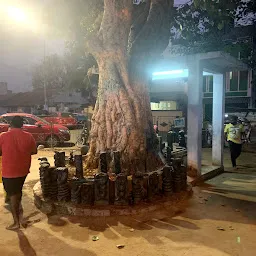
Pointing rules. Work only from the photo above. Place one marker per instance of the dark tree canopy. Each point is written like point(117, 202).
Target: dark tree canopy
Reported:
point(199, 20)
point(50, 71)
point(208, 20)
point(206, 25)
point(81, 21)
point(66, 72)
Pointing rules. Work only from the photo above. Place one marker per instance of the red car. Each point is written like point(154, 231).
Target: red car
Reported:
point(42, 131)
point(65, 119)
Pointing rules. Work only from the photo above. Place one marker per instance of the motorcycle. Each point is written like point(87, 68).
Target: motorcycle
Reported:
point(83, 137)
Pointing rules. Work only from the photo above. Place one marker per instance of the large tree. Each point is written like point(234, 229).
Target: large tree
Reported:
point(125, 39)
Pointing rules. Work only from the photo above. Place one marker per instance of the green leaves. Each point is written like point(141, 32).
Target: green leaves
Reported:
point(202, 19)
point(221, 25)
point(64, 72)
point(51, 71)
point(73, 19)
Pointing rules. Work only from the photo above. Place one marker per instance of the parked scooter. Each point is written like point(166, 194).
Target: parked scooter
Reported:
point(83, 137)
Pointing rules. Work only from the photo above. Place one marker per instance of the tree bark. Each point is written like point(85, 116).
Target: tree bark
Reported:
point(122, 119)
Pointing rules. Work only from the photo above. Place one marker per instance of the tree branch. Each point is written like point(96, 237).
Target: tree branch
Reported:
point(140, 14)
point(94, 45)
point(154, 33)
point(115, 24)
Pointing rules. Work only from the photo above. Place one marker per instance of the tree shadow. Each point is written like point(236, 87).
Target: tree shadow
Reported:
point(25, 245)
point(114, 227)
point(53, 245)
point(180, 223)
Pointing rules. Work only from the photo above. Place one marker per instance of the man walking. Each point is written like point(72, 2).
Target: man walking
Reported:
point(16, 148)
point(234, 132)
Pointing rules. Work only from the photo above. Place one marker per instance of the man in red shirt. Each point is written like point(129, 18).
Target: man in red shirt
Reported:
point(16, 148)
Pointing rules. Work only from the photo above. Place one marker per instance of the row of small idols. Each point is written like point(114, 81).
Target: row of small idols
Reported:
point(111, 189)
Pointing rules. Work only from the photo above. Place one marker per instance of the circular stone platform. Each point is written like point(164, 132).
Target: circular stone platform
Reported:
point(173, 203)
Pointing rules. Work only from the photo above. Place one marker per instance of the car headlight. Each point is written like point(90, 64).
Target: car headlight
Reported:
point(64, 131)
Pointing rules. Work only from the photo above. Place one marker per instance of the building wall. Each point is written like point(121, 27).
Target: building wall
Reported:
point(3, 88)
point(164, 105)
point(69, 97)
point(238, 84)
point(3, 110)
point(165, 118)
point(239, 92)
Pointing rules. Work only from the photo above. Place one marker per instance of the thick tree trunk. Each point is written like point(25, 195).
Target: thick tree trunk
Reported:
point(122, 120)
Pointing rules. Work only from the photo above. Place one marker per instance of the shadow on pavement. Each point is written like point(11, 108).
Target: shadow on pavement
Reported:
point(25, 245)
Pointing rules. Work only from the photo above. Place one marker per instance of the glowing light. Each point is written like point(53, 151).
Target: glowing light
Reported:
point(179, 73)
point(170, 74)
point(21, 18)
point(16, 14)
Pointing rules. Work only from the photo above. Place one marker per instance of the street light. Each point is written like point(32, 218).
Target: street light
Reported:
point(44, 77)
point(16, 14)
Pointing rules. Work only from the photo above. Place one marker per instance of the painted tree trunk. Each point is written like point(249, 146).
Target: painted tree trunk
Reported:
point(122, 119)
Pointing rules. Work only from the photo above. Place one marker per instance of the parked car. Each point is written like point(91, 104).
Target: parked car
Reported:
point(80, 118)
point(65, 119)
point(42, 131)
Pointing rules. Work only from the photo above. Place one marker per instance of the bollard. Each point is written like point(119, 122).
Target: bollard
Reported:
point(171, 138)
point(87, 193)
point(103, 162)
point(79, 166)
point(59, 159)
point(75, 191)
point(117, 161)
point(63, 187)
point(167, 181)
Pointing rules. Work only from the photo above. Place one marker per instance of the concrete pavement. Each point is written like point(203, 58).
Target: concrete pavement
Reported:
point(219, 220)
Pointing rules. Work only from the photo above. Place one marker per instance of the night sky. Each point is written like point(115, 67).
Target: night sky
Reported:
point(21, 48)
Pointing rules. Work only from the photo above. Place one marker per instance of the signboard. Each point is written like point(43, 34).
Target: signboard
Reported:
point(137, 1)
point(179, 122)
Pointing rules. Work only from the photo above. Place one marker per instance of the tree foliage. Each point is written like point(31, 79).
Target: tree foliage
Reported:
point(213, 25)
point(65, 72)
point(198, 25)
point(75, 20)
point(81, 21)
point(196, 21)
point(51, 72)
point(208, 20)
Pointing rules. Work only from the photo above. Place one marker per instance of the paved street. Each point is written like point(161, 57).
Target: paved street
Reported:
point(218, 220)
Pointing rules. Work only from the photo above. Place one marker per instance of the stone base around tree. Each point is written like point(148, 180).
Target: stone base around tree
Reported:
point(49, 207)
